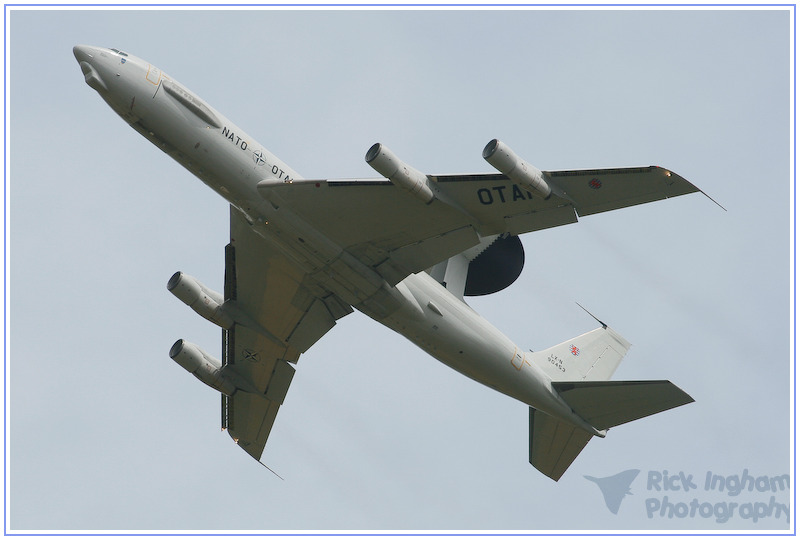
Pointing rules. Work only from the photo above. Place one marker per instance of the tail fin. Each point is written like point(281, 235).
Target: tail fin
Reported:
point(594, 356)
point(554, 444)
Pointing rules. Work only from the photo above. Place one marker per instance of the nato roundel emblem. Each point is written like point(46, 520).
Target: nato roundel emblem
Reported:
point(594, 183)
point(258, 157)
point(250, 356)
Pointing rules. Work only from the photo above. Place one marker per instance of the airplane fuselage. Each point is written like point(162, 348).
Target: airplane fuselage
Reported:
point(233, 164)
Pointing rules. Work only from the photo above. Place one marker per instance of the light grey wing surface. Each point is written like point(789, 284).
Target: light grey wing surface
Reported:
point(379, 224)
point(249, 419)
point(277, 320)
point(601, 190)
point(491, 197)
point(397, 234)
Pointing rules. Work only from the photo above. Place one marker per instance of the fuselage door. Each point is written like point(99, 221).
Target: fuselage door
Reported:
point(153, 74)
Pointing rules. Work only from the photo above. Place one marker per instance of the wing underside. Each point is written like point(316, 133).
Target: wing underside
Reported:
point(396, 234)
point(277, 319)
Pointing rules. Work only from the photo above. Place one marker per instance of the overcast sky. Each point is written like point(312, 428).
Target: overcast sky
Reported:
point(105, 432)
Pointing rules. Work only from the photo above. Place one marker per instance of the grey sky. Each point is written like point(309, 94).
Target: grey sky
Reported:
point(106, 432)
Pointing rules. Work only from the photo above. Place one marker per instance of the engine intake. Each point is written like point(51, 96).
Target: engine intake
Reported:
point(202, 365)
point(389, 166)
point(204, 301)
point(502, 158)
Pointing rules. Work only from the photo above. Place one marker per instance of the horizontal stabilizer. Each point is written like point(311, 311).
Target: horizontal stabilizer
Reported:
point(554, 444)
point(605, 404)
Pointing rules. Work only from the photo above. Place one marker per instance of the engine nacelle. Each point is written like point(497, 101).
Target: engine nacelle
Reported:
point(502, 158)
point(203, 366)
point(205, 302)
point(389, 166)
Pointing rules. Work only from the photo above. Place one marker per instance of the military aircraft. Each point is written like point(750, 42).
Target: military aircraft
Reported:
point(404, 249)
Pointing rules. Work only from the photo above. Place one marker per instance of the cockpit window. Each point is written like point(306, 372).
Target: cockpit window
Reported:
point(120, 52)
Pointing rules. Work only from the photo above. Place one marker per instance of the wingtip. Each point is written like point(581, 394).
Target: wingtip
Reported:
point(670, 173)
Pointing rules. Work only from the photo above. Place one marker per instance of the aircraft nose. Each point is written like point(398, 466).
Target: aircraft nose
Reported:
point(85, 57)
point(83, 53)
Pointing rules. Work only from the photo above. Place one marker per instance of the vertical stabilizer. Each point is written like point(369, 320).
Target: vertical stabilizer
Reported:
point(594, 356)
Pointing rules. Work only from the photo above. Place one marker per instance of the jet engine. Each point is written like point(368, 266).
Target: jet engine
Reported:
point(206, 302)
point(389, 166)
point(502, 158)
point(203, 366)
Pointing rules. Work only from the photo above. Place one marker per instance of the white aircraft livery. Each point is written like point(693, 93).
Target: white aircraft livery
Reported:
point(404, 249)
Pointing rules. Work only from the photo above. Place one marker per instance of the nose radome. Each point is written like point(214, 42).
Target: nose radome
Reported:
point(85, 57)
point(83, 53)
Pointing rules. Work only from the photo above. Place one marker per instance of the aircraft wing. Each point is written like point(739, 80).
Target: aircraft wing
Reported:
point(279, 319)
point(601, 190)
point(397, 234)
